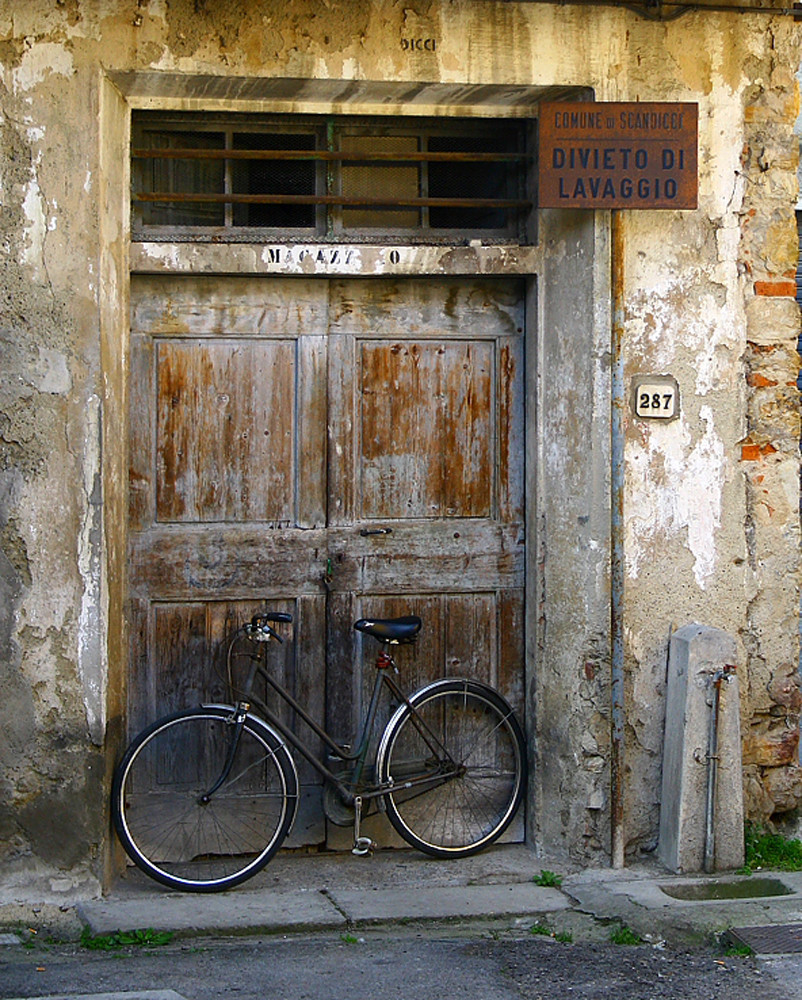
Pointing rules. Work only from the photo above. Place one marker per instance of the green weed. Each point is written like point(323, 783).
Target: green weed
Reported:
point(547, 878)
point(540, 929)
point(624, 935)
point(565, 937)
point(738, 951)
point(147, 938)
point(763, 849)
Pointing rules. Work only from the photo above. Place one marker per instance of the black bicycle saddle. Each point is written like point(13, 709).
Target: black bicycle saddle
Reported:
point(390, 629)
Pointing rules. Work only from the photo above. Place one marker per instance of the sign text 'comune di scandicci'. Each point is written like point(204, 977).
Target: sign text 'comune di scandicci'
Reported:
point(618, 155)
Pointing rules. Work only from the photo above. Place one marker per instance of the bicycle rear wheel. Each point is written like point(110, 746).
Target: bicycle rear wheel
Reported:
point(201, 804)
point(457, 759)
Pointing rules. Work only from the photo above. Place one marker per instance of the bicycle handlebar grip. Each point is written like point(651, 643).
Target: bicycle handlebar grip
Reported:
point(271, 616)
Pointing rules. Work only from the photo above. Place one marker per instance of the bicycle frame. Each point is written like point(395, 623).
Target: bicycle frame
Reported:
point(384, 662)
point(225, 811)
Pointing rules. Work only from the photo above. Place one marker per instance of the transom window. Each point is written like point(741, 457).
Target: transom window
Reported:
point(251, 178)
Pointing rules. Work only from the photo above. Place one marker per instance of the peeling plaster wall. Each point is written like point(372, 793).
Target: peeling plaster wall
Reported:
point(711, 504)
point(52, 688)
point(712, 499)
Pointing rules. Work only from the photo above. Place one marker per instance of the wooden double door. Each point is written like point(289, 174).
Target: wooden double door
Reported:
point(335, 448)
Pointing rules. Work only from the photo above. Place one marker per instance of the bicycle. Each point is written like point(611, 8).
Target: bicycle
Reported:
point(203, 798)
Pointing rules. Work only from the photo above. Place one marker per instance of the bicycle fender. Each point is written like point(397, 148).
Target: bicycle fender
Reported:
point(470, 683)
point(259, 723)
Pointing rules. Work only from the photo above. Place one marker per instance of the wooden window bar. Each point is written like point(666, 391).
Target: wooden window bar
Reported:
point(311, 154)
point(327, 155)
point(332, 199)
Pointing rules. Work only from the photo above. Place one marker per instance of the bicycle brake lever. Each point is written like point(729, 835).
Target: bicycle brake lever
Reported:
point(262, 633)
point(268, 633)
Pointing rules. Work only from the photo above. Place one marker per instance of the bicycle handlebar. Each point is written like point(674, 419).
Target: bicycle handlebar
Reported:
point(259, 624)
point(272, 616)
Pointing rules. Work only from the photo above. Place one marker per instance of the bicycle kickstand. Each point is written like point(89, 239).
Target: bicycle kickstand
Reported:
point(362, 845)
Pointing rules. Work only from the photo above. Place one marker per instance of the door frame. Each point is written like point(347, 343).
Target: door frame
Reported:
point(567, 302)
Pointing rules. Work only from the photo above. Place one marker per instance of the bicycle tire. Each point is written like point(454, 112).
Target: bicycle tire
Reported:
point(159, 788)
point(457, 758)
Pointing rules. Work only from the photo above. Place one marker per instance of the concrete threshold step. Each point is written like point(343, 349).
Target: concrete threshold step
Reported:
point(268, 911)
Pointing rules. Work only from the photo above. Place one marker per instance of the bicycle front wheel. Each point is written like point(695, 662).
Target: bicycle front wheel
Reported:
point(457, 761)
point(201, 803)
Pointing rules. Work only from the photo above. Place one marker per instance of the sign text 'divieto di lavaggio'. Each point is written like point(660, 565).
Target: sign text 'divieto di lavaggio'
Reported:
point(610, 155)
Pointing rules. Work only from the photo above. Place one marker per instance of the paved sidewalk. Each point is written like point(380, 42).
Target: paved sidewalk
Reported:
point(339, 892)
point(397, 893)
point(301, 893)
point(319, 892)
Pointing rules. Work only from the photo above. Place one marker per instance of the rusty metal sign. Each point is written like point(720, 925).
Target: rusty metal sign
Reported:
point(618, 155)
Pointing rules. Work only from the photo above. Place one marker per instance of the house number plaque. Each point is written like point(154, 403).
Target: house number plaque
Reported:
point(656, 397)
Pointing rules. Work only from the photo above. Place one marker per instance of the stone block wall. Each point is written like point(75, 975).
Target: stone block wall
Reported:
point(770, 447)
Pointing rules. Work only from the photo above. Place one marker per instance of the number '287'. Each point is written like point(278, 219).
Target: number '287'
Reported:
point(655, 401)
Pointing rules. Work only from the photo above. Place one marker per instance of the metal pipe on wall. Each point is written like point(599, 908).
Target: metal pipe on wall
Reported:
point(716, 681)
point(618, 840)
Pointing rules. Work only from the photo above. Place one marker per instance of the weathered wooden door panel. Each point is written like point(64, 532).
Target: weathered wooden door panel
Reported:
point(228, 410)
point(478, 635)
point(251, 561)
point(426, 462)
point(181, 646)
point(425, 425)
point(425, 486)
point(228, 490)
point(335, 449)
point(225, 442)
point(426, 405)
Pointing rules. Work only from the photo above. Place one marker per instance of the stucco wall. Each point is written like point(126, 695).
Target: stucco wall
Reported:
point(711, 503)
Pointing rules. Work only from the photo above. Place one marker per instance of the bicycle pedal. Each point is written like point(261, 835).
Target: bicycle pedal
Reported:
point(363, 846)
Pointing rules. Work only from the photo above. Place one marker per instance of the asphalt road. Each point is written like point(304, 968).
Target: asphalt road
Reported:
point(391, 965)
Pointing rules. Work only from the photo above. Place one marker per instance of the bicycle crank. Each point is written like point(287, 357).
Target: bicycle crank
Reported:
point(336, 809)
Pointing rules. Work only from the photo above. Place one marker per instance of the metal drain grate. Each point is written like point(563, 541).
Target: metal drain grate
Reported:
point(772, 939)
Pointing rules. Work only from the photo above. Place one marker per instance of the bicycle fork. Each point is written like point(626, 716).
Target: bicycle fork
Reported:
point(238, 720)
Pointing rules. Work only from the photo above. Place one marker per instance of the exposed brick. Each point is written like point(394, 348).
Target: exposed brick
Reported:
point(760, 381)
point(775, 288)
point(752, 452)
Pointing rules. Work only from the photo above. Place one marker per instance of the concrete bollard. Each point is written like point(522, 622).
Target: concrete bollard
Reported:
point(700, 659)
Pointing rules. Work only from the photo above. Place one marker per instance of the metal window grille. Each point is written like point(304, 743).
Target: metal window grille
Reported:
point(249, 178)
